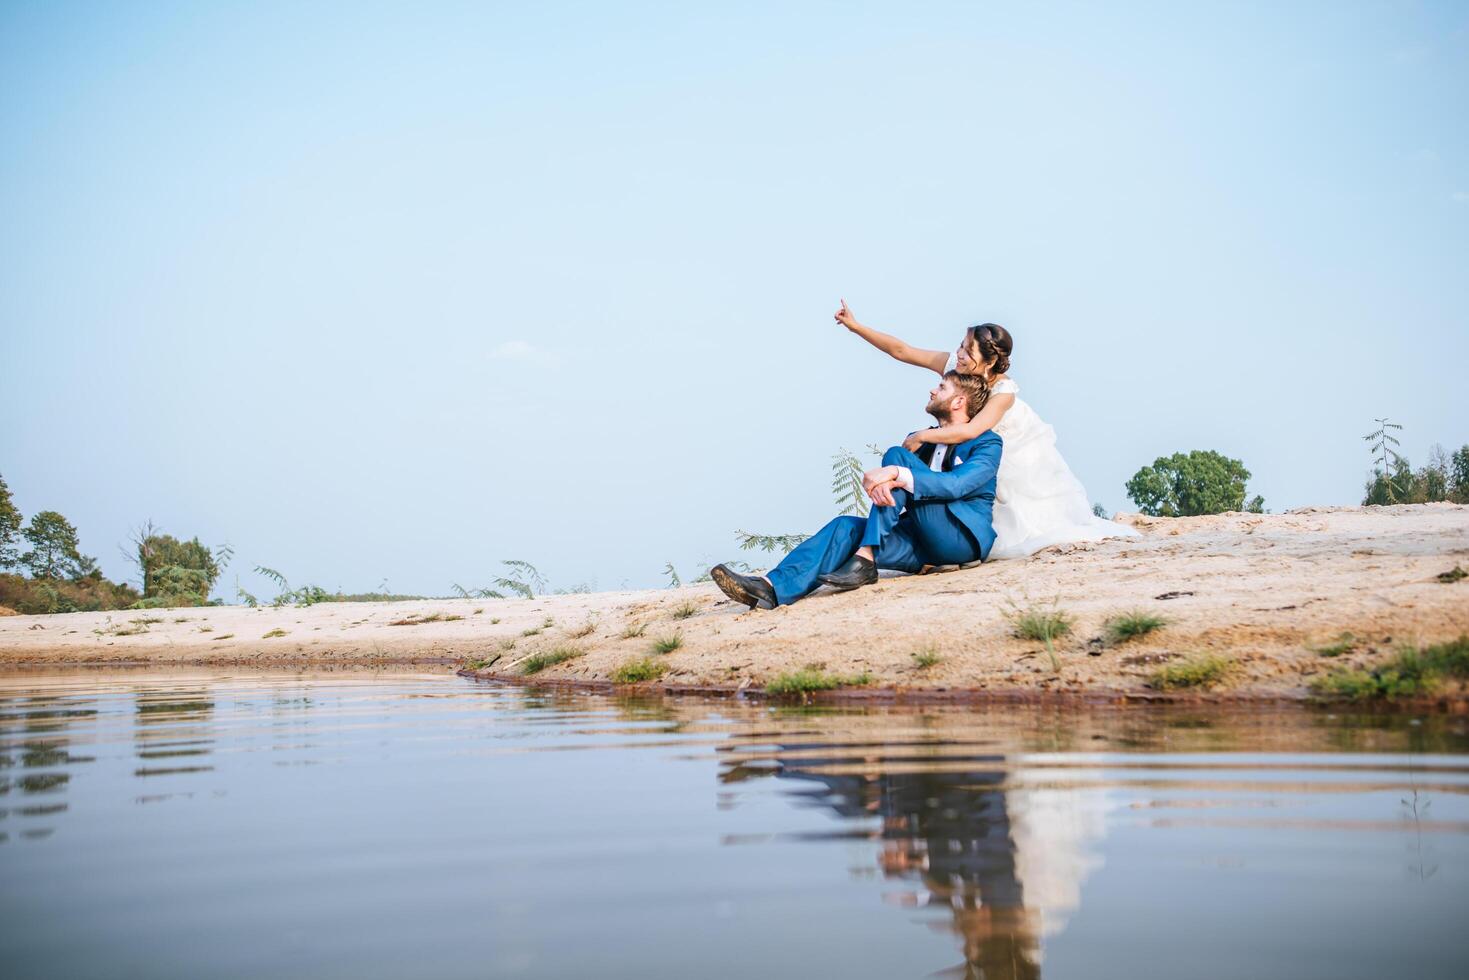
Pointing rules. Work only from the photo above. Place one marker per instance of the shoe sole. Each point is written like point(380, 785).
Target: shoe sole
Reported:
point(731, 587)
point(843, 587)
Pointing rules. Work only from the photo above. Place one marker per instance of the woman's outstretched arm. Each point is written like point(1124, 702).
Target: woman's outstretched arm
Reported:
point(934, 360)
point(952, 435)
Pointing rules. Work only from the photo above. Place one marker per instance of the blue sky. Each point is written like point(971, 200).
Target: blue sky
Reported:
point(395, 291)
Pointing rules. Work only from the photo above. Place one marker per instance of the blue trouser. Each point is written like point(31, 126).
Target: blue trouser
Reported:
point(905, 538)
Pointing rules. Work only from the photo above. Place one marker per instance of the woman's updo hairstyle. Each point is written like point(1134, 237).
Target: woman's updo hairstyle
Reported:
point(994, 345)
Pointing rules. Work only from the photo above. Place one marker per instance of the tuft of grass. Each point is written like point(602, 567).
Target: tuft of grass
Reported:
point(801, 682)
point(147, 620)
point(1205, 670)
point(1410, 671)
point(1045, 625)
point(548, 622)
point(538, 662)
point(273, 633)
point(494, 620)
point(585, 629)
point(668, 644)
point(182, 619)
point(632, 630)
point(419, 620)
point(926, 658)
point(1130, 625)
point(223, 636)
point(480, 663)
point(1040, 623)
point(1345, 643)
point(478, 611)
point(638, 671)
point(686, 610)
point(206, 629)
point(1452, 575)
point(533, 631)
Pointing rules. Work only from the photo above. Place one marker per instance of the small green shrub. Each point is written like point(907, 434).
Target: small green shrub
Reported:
point(807, 680)
point(925, 658)
point(1409, 672)
point(1201, 671)
point(538, 662)
point(633, 630)
point(638, 671)
point(1343, 644)
point(1130, 625)
point(273, 633)
point(533, 631)
point(1040, 623)
point(685, 611)
point(668, 644)
point(480, 663)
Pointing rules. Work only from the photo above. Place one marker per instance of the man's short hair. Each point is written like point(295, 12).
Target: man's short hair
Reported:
point(976, 390)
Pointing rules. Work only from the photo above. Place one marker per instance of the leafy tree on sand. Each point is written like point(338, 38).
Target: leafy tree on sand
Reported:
point(62, 578)
point(54, 550)
point(176, 573)
point(10, 521)
point(1189, 484)
point(1443, 477)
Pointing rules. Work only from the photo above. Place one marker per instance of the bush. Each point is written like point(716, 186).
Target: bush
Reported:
point(1443, 477)
point(90, 593)
point(1203, 671)
point(1190, 484)
point(638, 671)
point(807, 680)
point(538, 662)
point(175, 573)
point(1130, 625)
point(1407, 673)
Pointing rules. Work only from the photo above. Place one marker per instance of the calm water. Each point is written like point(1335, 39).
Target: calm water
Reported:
point(392, 826)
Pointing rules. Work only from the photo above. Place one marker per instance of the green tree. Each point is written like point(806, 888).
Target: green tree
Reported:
point(1459, 476)
point(1189, 484)
point(10, 521)
point(54, 553)
point(175, 573)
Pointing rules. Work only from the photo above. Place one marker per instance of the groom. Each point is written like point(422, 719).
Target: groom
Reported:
point(930, 508)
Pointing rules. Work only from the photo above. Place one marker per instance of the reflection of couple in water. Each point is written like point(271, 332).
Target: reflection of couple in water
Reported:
point(1005, 868)
point(986, 481)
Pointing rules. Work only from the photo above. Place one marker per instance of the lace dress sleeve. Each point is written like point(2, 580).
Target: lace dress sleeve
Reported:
point(1005, 387)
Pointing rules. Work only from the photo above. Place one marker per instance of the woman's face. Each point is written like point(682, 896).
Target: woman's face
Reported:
point(968, 354)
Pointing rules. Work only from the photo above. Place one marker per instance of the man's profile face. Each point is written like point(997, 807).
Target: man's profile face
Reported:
point(941, 398)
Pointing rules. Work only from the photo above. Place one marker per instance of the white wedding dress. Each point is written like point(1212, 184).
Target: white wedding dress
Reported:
point(1038, 500)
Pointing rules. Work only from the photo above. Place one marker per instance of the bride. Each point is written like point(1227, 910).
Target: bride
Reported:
point(1038, 501)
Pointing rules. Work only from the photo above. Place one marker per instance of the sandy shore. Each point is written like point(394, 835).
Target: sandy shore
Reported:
point(1262, 590)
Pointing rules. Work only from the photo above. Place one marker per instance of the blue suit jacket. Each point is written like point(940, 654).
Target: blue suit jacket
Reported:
point(968, 490)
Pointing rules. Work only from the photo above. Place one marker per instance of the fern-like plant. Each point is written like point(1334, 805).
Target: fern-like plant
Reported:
point(846, 483)
point(523, 579)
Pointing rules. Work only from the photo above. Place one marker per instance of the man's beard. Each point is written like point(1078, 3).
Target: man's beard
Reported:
point(938, 411)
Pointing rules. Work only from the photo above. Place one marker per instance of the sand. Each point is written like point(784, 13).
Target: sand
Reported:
point(1264, 591)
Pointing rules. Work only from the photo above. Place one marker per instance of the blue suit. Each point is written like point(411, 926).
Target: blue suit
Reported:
point(947, 520)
